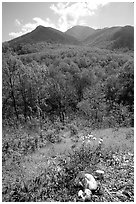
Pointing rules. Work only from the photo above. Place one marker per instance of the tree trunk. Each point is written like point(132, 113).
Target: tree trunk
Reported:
point(13, 98)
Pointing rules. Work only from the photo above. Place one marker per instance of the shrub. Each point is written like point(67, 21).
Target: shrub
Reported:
point(73, 130)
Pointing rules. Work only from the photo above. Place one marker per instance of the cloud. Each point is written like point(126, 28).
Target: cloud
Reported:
point(28, 27)
point(15, 34)
point(71, 14)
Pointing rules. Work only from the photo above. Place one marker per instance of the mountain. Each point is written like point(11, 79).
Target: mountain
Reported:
point(108, 38)
point(45, 34)
point(80, 32)
point(112, 38)
point(124, 38)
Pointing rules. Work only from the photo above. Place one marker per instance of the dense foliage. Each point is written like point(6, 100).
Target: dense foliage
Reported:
point(97, 83)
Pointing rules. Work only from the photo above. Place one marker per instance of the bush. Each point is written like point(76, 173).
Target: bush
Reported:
point(73, 130)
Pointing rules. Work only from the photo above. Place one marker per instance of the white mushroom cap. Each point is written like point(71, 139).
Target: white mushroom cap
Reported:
point(81, 194)
point(88, 193)
point(85, 195)
point(91, 183)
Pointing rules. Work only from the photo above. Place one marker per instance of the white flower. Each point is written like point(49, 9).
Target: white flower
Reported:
point(90, 136)
point(130, 154)
point(100, 141)
point(94, 138)
point(58, 168)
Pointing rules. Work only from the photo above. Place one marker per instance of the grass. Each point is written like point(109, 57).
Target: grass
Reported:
point(47, 172)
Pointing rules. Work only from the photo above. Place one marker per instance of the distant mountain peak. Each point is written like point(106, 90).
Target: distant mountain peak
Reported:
point(40, 26)
point(45, 34)
point(112, 38)
point(80, 32)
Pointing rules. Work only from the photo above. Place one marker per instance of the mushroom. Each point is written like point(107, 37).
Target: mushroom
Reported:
point(86, 195)
point(87, 181)
point(81, 194)
point(91, 183)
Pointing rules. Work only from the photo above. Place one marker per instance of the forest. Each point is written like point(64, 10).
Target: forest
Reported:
point(49, 89)
point(96, 83)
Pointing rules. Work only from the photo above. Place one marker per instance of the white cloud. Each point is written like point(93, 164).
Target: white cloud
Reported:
point(28, 27)
point(71, 14)
point(15, 34)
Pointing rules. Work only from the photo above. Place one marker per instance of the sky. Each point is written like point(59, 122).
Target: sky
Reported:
point(19, 18)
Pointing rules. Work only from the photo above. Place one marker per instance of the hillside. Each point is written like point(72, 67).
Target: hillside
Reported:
point(107, 38)
point(124, 38)
point(80, 32)
point(114, 37)
point(45, 34)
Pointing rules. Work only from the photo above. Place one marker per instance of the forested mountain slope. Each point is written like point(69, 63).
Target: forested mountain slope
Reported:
point(44, 37)
point(80, 32)
point(45, 34)
point(114, 37)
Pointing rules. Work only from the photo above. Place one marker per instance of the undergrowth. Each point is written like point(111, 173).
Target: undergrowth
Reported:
point(58, 181)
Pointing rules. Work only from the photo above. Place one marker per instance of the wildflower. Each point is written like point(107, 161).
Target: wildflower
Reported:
point(100, 141)
point(88, 141)
point(58, 168)
point(130, 154)
point(90, 136)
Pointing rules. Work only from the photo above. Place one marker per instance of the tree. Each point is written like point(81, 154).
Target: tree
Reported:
point(81, 81)
point(10, 68)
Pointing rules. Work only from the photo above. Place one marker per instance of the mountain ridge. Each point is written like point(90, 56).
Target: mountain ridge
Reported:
point(80, 32)
point(47, 34)
point(109, 38)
